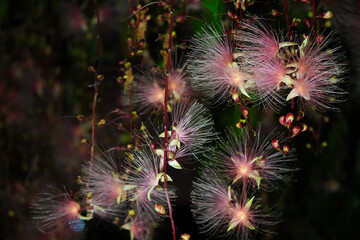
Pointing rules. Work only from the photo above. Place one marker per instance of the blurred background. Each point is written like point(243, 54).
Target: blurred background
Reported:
point(46, 48)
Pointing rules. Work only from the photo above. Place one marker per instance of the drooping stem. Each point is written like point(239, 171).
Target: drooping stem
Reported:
point(314, 12)
point(96, 90)
point(168, 65)
point(287, 19)
point(288, 35)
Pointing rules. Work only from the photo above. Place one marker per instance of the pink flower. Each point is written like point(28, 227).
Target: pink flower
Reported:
point(319, 71)
point(220, 210)
point(252, 162)
point(104, 187)
point(145, 167)
point(178, 86)
point(139, 227)
point(271, 79)
point(149, 93)
point(56, 212)
point(210, 203)
point(191, 126)
point(213, 68)
point(257, 42)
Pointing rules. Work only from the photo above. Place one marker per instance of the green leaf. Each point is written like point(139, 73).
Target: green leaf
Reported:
point(174, 164)
point(159, 152)
point(249, 225)
point(249, 203)
point(126, 226)
point(159, 176)
point(168, 178)
point(84, 218)
point(99, 208)
point(149, 193)
point(255, 175)
point(215, 7)
point(175, 141)
point(233, 223)
point(255, 159)
point(129, 187)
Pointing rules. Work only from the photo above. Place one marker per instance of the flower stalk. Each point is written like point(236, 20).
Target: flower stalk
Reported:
point(168, 67)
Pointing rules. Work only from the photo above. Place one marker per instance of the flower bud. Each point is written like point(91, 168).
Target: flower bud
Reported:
point(299, 115)
point(289, 119)
point(286, 149)
point(295, 131)
point(276, 144)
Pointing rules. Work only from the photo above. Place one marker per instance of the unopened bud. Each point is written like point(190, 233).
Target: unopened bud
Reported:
point(295, 131)
point(275, 12)
point(286, 149)
point(100, 77)
point(245, 113)
point(239, 125)
point(236, 97)
point(282, 120)
point(276, 144)
point(289, 119)
point(304, 127)
point(299, 115)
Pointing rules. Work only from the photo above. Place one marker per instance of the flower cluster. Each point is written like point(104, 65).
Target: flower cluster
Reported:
point(250, 63)
point(262, 65)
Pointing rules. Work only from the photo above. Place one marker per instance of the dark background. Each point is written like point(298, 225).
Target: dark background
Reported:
point(45, 50)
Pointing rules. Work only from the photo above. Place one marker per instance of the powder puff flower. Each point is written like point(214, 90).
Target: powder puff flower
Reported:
point(251, 161)
point(317, 76)
point(105, 188)
point(56, 212)
point(178, 86)
point(219, 210)
point(191, 126)
point(149, 93)
point(139, 227)
point(191, 129)
point(258, 43)
point(272, 80)
point(210, 203)
point(145, 174)
point(213, 69)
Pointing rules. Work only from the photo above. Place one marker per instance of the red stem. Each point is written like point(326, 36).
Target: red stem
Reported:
point(130, 114)
point(168, 65)
point(96, 91)
point(314, 12)
point(287, 18)
point(288, 34)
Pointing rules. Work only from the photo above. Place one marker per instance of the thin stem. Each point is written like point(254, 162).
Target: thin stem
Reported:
point(168, 65)
point(96, 91)
point(288, 34)
point(287, 18)
point(314, 12)
point(130, 114)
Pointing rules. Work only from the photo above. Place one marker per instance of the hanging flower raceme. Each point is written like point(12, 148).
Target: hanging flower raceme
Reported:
point(219, 209)
point(105, 188)
point(56, 211)
point(251, 160)
point(215, 71)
